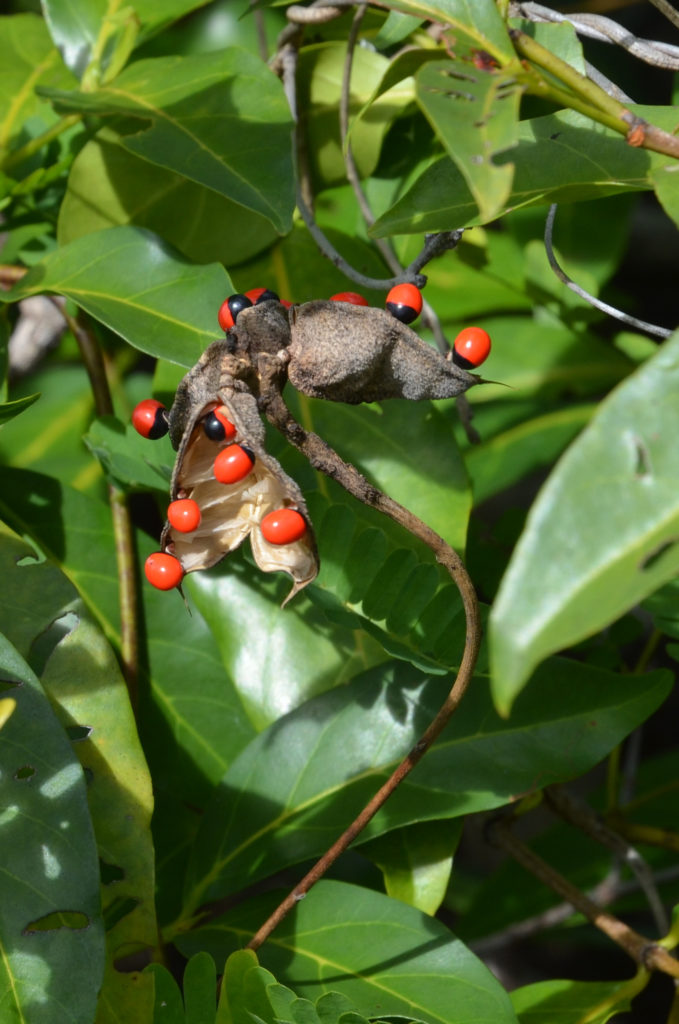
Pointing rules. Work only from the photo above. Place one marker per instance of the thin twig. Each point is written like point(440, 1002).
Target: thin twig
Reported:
point(605, 30)
point(578, 813)
point(643, 951)
point(324, 458)
point(668, 10)
point(120, 513)
point(650, 835)
point(604, 307)
point(607, 891)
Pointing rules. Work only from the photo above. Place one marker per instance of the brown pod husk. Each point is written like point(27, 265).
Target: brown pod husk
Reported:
point(348, 353)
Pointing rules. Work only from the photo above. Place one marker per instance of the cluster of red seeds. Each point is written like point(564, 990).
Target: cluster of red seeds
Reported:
point(234, 463)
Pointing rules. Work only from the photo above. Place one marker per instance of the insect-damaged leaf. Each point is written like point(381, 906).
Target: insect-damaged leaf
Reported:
point(51, 931)
point(603, 532)
point(475, 111)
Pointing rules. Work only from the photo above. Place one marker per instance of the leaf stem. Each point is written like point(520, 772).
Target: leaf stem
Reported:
point(323, 457)
point(120, 513)
point(30, 148)
point(587, 97)
point(643, 951)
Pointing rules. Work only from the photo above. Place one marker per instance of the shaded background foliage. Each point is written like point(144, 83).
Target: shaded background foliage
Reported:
point(148, 170)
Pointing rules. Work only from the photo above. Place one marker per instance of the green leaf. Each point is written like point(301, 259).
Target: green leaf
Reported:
point(66, 404)
point(496, 464)
point(131, 281)
point(125, 455)
point(200, 987)
point(475, 22)
point(168, 1007)
point(28, 59)
point(571, 1002)
point(603, 532)
point(559, 158)
point(81, 677)
point(299, 783)
point(475, 113)
point(667, 189)
point(108, 186)
point(218, 119)
point(8, 410)
point(417, 862)
point(190, 734)
point(320, 74)
point(408, 450)
point(384, 956)
point(244, 997)
point(77, 26)
point(86, 688)
point(290, 654)
point(51, 932)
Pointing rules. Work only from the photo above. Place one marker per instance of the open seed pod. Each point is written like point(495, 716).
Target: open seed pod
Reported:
point(234, 482)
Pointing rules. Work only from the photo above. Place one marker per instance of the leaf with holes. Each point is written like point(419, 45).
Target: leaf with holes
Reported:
point(475, 112)
point(83, 681)
point(559, 158)
point(44, 618)
point(603, 533)
point(51, 930)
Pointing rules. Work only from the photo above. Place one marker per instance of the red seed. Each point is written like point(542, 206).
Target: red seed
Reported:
point(149, 420)
point(283, 526)
point(404, 301)
point(471, 347)
point(163, 571)
point(184, 515)
point(353, 297)
point(233, 464)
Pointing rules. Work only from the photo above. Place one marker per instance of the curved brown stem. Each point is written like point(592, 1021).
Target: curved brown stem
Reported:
point(324, 458)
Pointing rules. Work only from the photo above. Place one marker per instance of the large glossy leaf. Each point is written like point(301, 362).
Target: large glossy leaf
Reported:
point(560, 158)
point(475, 114)
point(109, 186)
point(136, 285)
point(602, 534)
point(27, 59)
point(195, 723)
point(300, 783)
point(51, 931)
point(219, 119)
point(277, 657)
point(384, 956)
point(83, 682)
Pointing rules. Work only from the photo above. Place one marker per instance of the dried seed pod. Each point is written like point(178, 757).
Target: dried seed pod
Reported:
point(348, 353)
